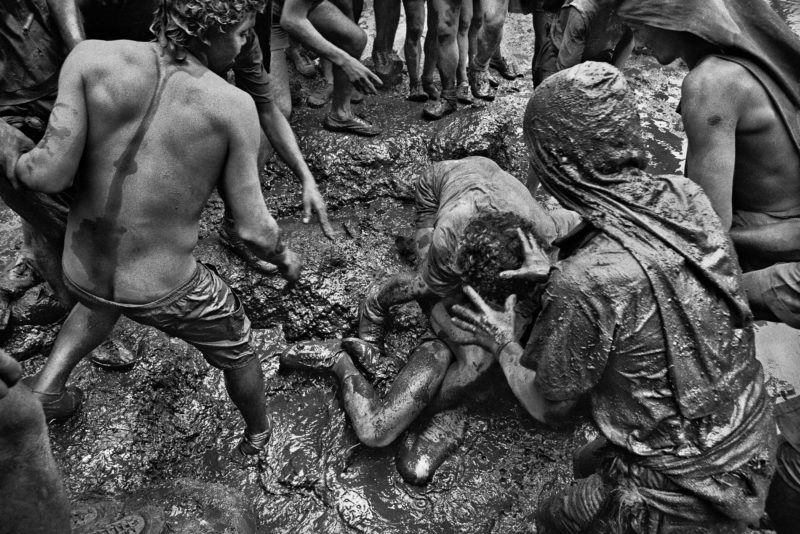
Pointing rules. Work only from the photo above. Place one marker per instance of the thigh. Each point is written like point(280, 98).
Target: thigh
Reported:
point(447, 14)
point(333, 24)
point(415, 14)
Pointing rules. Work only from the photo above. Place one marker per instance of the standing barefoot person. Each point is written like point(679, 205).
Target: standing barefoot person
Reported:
point(155, 131)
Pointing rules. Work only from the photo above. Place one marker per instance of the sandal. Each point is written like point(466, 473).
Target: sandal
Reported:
point(354, 125)
point(320, 96)
point(57, 406)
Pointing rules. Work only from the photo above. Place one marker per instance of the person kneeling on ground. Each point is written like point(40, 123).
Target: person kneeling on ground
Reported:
point(133, 224)
point(469, 214)
point(644, 313)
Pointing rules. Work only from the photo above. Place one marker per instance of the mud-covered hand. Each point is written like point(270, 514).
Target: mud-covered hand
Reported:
point(312, 201)
point(490, 329)
point(360, 76)
point(291, 266)
point(10, 373)
point(13, 144)
point(535, 264)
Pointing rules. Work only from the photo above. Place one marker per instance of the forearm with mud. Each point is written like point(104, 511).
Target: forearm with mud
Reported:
point(399, 289)
point(774, 242)
point(282, 138)
point(301, 29)
point(268, 246)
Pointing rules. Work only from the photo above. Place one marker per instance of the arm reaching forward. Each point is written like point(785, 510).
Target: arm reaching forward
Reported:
point(241, 190)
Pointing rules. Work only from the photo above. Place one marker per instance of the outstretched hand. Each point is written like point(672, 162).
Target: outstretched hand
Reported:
point(361, 77)
point(312, 201)
point(489, 328)
point(535, 264)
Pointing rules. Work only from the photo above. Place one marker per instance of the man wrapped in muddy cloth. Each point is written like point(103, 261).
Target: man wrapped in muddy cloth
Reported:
point(468, 215)
point(644, 315)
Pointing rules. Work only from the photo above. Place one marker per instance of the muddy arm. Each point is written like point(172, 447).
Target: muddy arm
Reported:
point(241, 191)
point(774, 242)
point(710, 119)
point(51, 166)
point(68, 21)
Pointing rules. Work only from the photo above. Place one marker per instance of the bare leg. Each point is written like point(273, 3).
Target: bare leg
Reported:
point(415, 21)
point(387, 17)
point(464, 23)
point(246, 389)
point(469, 367)
point(84, 329)
point(378, 421)
point(447, 14)
point(339, 29)
point(491, 33)
point(431, 53)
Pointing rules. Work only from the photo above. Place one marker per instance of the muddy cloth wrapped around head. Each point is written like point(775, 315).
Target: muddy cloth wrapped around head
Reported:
point(583, 132)
point(746, 28)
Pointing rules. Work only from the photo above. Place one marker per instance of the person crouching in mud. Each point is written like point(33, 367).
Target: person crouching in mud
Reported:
point(155, 131)
point(645, 315)
point(469, 214)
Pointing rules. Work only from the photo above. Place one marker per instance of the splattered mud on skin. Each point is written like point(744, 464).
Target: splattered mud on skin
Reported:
point(170, 416)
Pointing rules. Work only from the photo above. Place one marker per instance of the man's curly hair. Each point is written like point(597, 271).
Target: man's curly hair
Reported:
point(177, 22)
point(490, 245)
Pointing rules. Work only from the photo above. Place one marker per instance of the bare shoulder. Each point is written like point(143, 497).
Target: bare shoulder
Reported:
point(718, 80)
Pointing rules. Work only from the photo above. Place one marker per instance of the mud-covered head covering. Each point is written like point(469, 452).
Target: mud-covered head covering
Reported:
point(746, 28)
point(583, 132)
point(177, 22)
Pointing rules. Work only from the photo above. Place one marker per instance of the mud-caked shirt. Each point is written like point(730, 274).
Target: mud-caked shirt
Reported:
point(585, 30)
point(600, 333)
point(450, 193)
point(31, 52)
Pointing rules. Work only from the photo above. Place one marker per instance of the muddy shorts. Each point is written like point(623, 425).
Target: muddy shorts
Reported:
point(278, 37)
point(204, 312)
point(777, 287)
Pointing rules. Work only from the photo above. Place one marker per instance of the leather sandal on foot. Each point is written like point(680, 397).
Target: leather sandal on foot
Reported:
point(253, 444)
point(315, 356)
point(321, 96)
point(463, 93)
point(354, 125)
point(507, 69)
point(436, 109)
point(430, 89)
point(480, 86)
point(58, 406)
point(113, 355)
point(415, 92)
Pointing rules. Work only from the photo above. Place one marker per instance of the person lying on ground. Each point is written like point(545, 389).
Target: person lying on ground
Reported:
point(131, 19)
point(739, 105)
point(468, 215)
point(35, 37)
point(583, 30)
point(644, 315)
point(321, 26)
point(133, 223)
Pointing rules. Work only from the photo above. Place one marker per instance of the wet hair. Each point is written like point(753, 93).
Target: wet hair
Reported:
point(178, 22)
point(490, 244)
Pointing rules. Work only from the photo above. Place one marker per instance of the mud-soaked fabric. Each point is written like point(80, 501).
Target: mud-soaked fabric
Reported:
point(583, 130)
point(584, 30)
point(625, 496)
point(744, 28)
point(788, 465)
point(450, 193)
point(645, 313)
point(774, 287)
point(203, 311)
point(31, 51)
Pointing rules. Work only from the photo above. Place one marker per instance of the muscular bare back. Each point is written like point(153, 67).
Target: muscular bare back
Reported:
point(159, 135)
point(740, 151)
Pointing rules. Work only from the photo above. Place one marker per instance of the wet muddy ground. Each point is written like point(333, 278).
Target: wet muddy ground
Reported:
point(161, 433)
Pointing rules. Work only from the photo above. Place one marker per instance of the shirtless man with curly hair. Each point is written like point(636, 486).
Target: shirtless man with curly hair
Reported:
point(155, 131)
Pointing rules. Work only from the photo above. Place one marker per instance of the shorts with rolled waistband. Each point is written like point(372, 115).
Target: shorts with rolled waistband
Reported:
point(203, 311)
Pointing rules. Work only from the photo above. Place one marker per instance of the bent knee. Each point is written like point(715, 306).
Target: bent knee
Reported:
point(373, 437)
